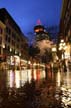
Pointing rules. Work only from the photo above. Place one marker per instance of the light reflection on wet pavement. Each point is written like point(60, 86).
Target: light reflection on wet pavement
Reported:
point(55, 92)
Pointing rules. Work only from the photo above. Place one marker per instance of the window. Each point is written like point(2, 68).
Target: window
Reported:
point(0, 40)
point(17, 46)
point(8, 48)
point(6, 37)
point(9, 39)
point(0, 50)
point(1, 31)
point(68, 5)
point(13, 35)
point(8, 30)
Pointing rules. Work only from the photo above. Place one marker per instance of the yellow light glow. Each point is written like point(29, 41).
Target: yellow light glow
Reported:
point(58, 78)
point(54, 49)
point(17, 79)
point(12, 77)
point(3, 46)
point(62, 40)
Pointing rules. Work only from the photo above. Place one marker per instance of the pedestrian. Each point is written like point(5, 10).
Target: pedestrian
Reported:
point(64, 66)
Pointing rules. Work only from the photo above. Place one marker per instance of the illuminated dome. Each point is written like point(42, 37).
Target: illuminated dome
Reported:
point(41, 33)
point(38, 29)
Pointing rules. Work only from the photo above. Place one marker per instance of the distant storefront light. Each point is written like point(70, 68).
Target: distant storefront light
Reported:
point(3, 46)
point(54, 49)
point(10, 49)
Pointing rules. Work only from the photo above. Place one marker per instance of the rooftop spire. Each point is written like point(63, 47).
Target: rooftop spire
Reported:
point(38, 22)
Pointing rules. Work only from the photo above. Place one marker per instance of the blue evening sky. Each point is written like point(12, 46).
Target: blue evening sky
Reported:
point(26, 13)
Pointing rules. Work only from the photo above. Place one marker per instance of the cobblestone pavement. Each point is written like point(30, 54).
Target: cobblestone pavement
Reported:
point(50, 93)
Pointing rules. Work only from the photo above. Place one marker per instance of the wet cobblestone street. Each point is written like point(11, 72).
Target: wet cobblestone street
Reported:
point(54, 92)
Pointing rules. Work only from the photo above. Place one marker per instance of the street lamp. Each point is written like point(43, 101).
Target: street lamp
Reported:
point(62, 48)
point(54, 53)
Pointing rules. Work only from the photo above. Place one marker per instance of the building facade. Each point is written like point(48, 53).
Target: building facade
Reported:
point(12, 40)
point(65, 27)
point(13, 43)
point(2, 34)
point(65, 22)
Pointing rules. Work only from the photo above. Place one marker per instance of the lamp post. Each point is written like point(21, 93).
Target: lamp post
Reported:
point(54, 50)
point(55, 59)
point(62, 48)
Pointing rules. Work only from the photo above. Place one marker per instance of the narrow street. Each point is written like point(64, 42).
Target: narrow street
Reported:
point(35, 53)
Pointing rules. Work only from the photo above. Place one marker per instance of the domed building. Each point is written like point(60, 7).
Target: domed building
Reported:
point(40, 33)
point(42, 38)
